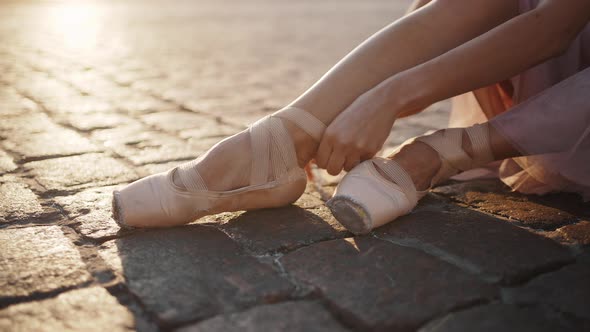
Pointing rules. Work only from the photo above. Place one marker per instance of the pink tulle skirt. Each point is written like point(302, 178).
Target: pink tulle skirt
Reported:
point(545, 113)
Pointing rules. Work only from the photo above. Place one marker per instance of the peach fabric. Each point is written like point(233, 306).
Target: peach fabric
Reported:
point(545, 113)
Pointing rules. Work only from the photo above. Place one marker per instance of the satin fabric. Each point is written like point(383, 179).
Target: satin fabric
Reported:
point(545, 113)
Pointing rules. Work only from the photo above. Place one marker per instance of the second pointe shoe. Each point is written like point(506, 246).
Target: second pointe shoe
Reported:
point(275, 180)
point(365, 199)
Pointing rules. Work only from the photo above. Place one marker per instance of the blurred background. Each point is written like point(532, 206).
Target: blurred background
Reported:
point(157, 82)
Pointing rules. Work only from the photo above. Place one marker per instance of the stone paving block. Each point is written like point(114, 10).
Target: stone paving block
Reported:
point(78, 104)
point(493, 197)
point(39, 86)
point(481, 244)
point(193, 272)
point(301, 316)
point(283, 229)
point(6, 163)
point(150, 169)
point(217, 130)
point(26, 124)
point(17, 202)
point(55, 143)
point(502, 317)
point(37, 260)
point(377, 285)
point(566, 290)
point(92, 210)
point(584, 256)
point(310, 199)
point(78, 172)
point(137, 103)
point(127, 134)
point(568, 202)
point(150, 151)
point(143, 146)
point(177, 121)
point(578, 233)
point(93, 121)
point(88, 309)
point(91, 82)
point(12, 103)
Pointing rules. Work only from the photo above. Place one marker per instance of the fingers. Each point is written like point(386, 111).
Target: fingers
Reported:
point(351, 163)
point(335, 163)
point(323, 154)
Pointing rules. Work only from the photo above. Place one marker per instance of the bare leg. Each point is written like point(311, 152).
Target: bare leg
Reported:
point(399, 46)
point(422, 162)
point(551, 122)
point(417, 4)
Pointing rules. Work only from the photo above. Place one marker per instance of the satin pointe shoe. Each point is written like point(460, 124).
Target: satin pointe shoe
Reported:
point(365, 199)
point(275, 180)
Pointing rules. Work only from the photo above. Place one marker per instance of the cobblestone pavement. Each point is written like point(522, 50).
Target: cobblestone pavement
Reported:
point(93, 96)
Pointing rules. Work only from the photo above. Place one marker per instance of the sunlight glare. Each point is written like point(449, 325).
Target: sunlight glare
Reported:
point(353, 243)
point(77, 24)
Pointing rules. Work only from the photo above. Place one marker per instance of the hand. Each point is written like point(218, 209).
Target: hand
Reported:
point(357, 133)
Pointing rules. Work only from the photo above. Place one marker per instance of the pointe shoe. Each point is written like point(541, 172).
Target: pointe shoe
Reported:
point(275, 180)
point(365, 200)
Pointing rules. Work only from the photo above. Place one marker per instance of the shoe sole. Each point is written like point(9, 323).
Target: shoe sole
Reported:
point(350, 214)
point(116, 211)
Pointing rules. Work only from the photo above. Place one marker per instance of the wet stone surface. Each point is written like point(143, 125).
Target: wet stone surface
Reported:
point(38, 260)
point(192, 272)
point(382, 286)
point(289, 316)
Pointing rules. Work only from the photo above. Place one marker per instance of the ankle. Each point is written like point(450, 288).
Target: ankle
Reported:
point(421, 161)
point(305, 146)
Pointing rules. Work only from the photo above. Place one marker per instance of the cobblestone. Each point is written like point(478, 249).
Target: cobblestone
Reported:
point(578, 233)
point(566, 290)
point(289, 316)
point(189, 273)
point(292, 227)
point(94, 95)
point(78, 172)
point(17, 202)
point(378, 285)
point(493, 197)
point(177, 121)
point(93, 121)
point(476, 242)
point(501, 317)
point(12, 103)
point(89, 309)
point(6, 163)
point(31, 123)
point(38, 260)
point(92, 210)
point(56, 143)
